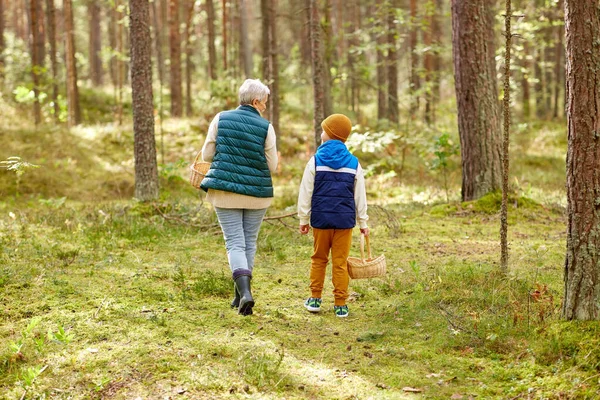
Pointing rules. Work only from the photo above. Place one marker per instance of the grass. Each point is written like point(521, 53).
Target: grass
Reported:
point(104, 297)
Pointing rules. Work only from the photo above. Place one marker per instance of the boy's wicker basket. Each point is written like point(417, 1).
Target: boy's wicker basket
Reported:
point(198, 171)
point(361, 268)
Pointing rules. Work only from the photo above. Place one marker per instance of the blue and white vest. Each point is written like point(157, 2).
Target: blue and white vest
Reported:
point(333, 204)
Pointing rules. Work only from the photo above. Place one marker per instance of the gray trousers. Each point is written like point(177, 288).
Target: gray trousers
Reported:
point(240, 229)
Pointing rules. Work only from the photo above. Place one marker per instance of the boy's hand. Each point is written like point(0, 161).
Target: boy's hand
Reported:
point(304, 229)
point(364, 231)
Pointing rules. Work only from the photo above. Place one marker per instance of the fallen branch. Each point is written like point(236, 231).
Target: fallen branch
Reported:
point(292, 214)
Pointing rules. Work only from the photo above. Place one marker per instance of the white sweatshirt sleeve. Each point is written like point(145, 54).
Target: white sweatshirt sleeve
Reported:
point(306, 190)
point(360, 198)
point(271, 149)
point(210, 144)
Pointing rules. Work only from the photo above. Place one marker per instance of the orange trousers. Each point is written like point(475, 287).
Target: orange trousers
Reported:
point(336, 241)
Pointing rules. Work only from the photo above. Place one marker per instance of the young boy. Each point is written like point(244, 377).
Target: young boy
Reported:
point(332, 198)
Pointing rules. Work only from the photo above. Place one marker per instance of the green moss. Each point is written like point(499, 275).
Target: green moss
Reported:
point(491, 203)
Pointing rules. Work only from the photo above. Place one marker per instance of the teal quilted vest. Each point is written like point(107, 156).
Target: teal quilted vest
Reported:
point(239, 164)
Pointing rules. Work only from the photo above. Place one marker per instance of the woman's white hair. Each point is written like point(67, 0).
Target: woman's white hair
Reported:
point(252, 89)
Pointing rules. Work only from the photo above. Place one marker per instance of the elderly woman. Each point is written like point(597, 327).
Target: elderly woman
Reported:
point(241, 146)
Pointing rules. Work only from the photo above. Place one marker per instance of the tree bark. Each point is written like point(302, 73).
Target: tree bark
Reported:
point(415, 84)
point(51, 15)
point(428, 60)
point(246, 45)
point(525, 87)
point(317, 68)
point(392, 61)
point(160, 59)
point(95, 45)
point(72, 88)
point(146, 171)
point(2, 44)
point(37, 51)
point(112, 41)
point(505, 141)
point(224, 6)
point(175, 46)
point(477, 98)
point(381, 62)
point(189, 65)
point(559, 49)
point(120, 64)
point(582, 263)
point(328, 57)
point(212, 52)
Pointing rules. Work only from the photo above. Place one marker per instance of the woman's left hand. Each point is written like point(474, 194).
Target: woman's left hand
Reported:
point(304, 229)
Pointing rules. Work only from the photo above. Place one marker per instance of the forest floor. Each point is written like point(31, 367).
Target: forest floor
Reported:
point(104, 297)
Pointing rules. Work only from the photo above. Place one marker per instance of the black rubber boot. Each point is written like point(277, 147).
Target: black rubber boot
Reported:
point(242, 284)
point(235, 303)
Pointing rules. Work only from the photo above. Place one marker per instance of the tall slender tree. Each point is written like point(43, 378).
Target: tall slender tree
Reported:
point(72, 88)
point(175, 46)
point(505, 139)
point(245, 45)
point(392, 61)
point(189, 65)
point(212, 52)
point(582, 263)
point(51, 16)
point(477, 97)
point(95, 43)
point(415, 84)
point(37, 62)
point(2, 45)
point(317, 68)
point(381, 70)
point(224, 30)
point(146, 171)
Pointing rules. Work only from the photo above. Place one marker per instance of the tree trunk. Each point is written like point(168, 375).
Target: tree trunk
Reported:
point(212, 52)
point(437, 31)
point(146, 171)
point(37, 62)
point(175, 46)
point(505, 141)
point(2, 45)
point(381, 63)
point(328, 57)
point(246, 45)
point(525, 87)
point(538, 87)
point(477, 98)
point(120, 62)
point(415, 84)
point(274, 61)
point(392, 61)
point(112, 41)
point(72, 88)
point(428, 60)
point(224, 6)
point(51, 16)
point(189, 66)
point(559, 49)
point(270, 62)
point(95, 43)
point(160, 59)
point(317, 68)
point(582, 268)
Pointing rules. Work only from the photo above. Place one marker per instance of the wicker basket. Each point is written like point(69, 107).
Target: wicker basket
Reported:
point(361, 268)
point(198, 171)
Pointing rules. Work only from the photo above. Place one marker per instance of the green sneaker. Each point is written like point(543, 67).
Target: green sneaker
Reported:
point(313, 304)
point(341, 311)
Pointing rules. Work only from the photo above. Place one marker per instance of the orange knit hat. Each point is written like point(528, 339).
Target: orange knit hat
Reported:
point(337, 126)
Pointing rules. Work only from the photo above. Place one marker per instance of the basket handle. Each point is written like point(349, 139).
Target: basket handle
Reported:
point(364, 238)
point(197, 157)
